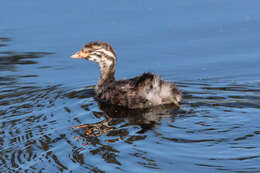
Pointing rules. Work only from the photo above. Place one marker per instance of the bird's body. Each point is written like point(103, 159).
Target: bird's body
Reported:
point(136, 93)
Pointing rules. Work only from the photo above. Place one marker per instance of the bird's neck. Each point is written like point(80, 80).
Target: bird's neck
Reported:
point(107, 75)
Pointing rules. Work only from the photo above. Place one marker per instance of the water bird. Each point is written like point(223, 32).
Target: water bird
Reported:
point(141, 92)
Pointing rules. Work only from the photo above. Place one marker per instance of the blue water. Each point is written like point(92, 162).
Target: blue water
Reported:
point(209, 48)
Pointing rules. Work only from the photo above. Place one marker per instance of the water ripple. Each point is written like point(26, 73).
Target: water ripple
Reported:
point(213, 124)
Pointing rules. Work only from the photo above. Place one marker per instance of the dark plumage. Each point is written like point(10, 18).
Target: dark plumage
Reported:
point(136, 93)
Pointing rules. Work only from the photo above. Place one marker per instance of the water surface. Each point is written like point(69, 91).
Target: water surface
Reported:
point(209, 48)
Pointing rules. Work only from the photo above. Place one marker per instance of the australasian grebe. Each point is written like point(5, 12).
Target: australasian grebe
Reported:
point(140, 92)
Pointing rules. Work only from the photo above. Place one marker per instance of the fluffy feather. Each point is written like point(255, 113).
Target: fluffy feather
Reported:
point(136, 93)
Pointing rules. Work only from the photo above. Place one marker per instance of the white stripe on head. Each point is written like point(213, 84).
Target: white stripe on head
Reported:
point(100, 58)
point(98, 53)
point(108, 53)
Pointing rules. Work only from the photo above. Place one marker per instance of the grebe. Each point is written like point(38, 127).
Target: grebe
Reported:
point(140, 92)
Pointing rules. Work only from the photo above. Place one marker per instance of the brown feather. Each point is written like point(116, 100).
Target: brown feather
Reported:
point(140, 92)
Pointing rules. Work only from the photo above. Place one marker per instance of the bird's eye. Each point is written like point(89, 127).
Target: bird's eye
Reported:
point(86, 50)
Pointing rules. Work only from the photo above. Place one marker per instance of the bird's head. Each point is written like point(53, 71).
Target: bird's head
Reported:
point(100, 52)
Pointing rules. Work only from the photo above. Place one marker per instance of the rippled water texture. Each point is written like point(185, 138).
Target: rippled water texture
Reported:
point(50, 121)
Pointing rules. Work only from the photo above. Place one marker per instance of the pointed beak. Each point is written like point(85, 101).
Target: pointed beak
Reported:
point(79, 54)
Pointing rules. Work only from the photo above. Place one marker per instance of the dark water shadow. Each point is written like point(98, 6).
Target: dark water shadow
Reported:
point(4, 41)
point(37, 123)
point(26, 118)
point(147, 119)
point(9, 60)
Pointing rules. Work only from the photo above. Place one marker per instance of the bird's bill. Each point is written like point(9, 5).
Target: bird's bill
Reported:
point(79, 54)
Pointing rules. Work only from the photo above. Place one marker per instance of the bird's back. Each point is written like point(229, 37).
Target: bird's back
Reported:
point(140, 92)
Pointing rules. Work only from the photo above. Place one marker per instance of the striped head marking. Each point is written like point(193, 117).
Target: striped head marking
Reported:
point(100, 52)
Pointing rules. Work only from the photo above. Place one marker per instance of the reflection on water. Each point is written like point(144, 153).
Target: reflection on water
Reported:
point(3, 41)
point(8, 60)
point(59, 128)
point(54, 128)
point(145, 118)
point(213, 130)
